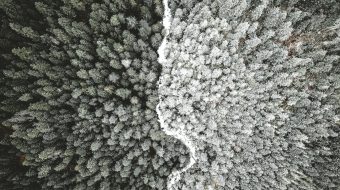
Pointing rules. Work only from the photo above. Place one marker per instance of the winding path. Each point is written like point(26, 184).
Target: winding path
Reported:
point(178, 134)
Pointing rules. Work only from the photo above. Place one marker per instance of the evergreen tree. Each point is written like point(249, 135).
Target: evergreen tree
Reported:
point(78, 96)
point(254, 84)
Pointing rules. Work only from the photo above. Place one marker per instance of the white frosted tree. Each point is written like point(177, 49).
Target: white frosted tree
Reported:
point(255, 85)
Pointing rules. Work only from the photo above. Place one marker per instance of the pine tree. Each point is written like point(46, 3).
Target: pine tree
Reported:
point(254, 85)
point(79, 82)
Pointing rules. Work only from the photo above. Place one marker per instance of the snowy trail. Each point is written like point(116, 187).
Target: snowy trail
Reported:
point(176, 175)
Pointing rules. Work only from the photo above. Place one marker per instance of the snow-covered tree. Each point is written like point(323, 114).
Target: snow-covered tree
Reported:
point(254, 85)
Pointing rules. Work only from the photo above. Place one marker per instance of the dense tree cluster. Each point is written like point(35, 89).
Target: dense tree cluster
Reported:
point(78, 96)
point(255, 85)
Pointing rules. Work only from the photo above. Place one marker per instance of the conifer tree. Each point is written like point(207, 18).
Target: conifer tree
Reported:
point(255, 86)
point(78, 97)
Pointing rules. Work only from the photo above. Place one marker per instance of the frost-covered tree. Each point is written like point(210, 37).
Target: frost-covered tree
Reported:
point(255, 86)
point(78, 96)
